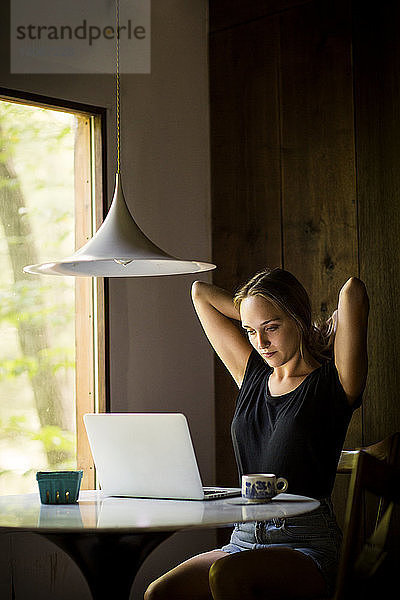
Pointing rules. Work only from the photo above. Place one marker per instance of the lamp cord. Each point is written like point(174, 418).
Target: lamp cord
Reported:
point(117, 86)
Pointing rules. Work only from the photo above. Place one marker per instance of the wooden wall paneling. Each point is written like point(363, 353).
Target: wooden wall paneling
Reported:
point(377, 109)
point(6, 567)
point(318, 183)
point(376, 49)
point(245, 180)
point(41, 571)
point(228, 13)
point(32, 568)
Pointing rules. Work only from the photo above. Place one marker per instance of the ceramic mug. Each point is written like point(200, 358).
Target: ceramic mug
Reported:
point(262, 486)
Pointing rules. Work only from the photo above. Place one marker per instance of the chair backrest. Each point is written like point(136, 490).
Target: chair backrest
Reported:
point(387, 450)
point(381, 476)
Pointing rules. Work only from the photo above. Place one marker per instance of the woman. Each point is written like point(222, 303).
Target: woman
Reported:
point(291, 417)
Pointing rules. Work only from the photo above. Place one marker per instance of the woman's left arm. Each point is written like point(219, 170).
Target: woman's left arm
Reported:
point(350, 345)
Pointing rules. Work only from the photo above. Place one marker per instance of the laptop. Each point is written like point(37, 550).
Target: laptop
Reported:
point(147, 455)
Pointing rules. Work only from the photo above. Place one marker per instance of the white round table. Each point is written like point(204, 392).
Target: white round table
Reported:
point(109, 538)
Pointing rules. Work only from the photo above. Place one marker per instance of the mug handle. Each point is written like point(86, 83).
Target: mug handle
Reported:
point(284, 487)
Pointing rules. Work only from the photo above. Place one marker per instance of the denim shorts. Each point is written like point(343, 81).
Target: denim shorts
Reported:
point(315, 534)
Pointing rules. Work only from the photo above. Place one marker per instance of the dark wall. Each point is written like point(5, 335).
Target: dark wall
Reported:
point(305, 128)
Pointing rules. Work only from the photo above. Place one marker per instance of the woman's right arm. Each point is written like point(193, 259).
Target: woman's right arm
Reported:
point(215, 309)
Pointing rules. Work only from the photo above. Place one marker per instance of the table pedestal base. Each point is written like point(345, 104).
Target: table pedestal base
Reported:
point(108, 561)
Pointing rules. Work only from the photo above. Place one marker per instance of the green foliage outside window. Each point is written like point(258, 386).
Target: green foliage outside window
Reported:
point(37, 343)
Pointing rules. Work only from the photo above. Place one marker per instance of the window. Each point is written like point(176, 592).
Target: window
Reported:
point(52, 329)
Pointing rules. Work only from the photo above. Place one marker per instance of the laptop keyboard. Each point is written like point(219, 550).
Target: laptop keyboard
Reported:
point(219, 493)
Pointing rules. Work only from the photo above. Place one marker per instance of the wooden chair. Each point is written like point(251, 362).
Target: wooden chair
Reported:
point(387, 450)
point(373, 469)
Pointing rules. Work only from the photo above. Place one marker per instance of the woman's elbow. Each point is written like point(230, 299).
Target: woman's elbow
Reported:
point(199, 290)
point(196, 287)
point(355, 289)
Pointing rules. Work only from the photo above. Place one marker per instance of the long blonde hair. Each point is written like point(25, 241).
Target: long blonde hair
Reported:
point(282, 289)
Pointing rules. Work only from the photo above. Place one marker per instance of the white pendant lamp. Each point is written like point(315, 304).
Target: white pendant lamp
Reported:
point(119, 248)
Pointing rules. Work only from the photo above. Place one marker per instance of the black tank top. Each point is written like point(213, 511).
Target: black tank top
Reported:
point(298, 435)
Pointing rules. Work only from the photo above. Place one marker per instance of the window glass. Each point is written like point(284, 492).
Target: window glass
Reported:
point(38, 149)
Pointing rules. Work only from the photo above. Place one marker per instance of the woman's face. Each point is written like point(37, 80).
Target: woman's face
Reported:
point(270, 330)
